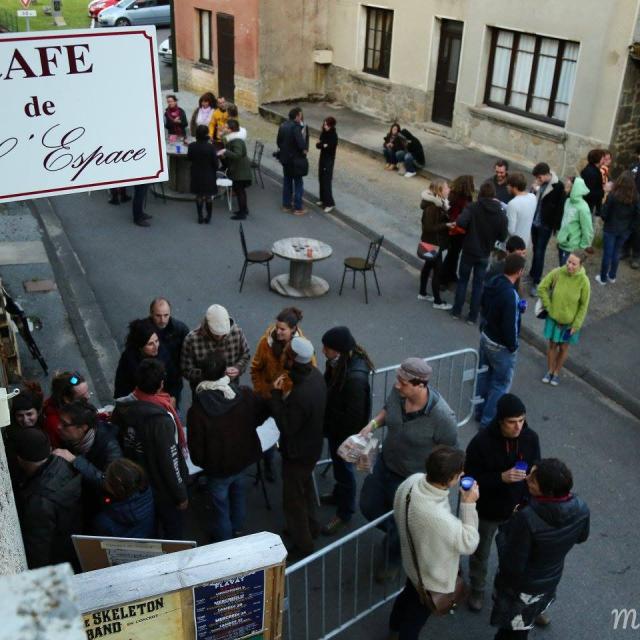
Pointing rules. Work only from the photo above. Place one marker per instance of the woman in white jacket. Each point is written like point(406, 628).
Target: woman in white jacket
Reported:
point(438, 536)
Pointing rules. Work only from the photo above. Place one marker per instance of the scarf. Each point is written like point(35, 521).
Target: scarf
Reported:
point(174, 127)
point(218, 385)
point(204, 115)
point(163, 399)
point(84, 446)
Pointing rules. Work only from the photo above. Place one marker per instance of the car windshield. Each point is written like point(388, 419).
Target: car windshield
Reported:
point(123, 3)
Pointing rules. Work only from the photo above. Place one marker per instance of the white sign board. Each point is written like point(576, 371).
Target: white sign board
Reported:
point(81, 110)
point(27, 13)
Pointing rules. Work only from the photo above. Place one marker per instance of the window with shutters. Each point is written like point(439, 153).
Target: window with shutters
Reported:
point(377, 47)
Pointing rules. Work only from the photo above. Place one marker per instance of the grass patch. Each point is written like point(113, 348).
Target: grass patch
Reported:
point(74, 12)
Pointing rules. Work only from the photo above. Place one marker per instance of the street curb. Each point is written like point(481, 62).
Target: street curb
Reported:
point(607, 386)
point(96, 343)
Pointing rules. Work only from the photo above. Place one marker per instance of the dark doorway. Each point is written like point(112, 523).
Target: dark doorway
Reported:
point(447, 73)
point(226, 56)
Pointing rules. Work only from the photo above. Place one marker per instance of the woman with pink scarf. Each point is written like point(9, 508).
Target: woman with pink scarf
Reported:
point(175, 119)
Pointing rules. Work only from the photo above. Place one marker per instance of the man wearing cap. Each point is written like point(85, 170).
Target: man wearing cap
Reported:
point(348, 406)
point(498, 457)
point(170, 332)
point(299, 416)
point(48, 501)
point(217, 332)
point(417, 418)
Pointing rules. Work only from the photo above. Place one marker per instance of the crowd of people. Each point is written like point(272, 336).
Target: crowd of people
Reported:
point(123, 470)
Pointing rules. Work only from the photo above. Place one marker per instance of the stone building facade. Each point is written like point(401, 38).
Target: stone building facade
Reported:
point(540, 83)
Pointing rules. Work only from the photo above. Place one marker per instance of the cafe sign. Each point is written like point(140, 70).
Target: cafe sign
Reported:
point(81, 110)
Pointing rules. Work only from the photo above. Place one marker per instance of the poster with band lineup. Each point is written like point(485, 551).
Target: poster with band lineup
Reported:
point(157, 618)
point(230, 609)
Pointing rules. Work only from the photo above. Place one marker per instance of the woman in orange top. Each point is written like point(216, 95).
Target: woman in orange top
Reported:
point(270, 360)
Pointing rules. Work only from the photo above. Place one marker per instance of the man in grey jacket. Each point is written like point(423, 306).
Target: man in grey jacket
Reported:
point(417, 418)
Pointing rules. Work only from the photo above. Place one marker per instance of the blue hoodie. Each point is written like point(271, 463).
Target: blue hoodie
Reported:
point(500, 313)
point(133, 517)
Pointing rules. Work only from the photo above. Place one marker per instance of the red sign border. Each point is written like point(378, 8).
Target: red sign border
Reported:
point(157, 117)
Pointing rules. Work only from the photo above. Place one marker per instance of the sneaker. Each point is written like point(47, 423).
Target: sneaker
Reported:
point(333, 526)
point(534, 291)
point(387, 167)
point(635, 264)
point(611, 280)
point(471, 322)
point(547, 377)
point(299, 212)
point(328, 209)
point(427, 297)
point(319, 203)
point(287, 209)
point(456, 316)
point(553, 381)
point(443, 306)
point(409, 174)
point(599, 280)
point(390, 167)
point(476, 601)
point(542, 620)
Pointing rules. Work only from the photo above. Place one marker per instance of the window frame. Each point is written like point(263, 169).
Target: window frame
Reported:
point(385, 41)
point(495, 32)
point(204, 13)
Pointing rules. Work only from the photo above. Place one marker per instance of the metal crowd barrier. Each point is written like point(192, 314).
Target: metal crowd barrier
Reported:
point(344, 575)
point(454, 376)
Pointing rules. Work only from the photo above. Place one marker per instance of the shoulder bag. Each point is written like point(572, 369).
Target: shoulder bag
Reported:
point(438, 603)
point(427, 251)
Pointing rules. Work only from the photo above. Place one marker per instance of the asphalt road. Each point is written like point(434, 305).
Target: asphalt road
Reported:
point(195, 266)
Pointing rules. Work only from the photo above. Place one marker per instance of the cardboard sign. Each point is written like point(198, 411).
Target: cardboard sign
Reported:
point(81, 110)
point(230, 609)
point(158, 618)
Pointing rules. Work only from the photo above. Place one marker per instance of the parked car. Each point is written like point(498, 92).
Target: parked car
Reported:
point(96, 6)
point(134, 12)
point(165, 51)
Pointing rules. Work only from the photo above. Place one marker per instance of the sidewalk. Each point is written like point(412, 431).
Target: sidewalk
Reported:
point(376, 202)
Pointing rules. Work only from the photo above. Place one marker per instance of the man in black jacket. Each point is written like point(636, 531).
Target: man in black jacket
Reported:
point(222, 425)
point(546, 220)
point(300, 418)
point(412, 156)
point(532, 547)
point(149, 436)
point(48, 501)
point(293, 144)
point(498, 458)
point(348, 407)
point(500, 331)
point(171, 333)
point(89, 445)
point(485, 223)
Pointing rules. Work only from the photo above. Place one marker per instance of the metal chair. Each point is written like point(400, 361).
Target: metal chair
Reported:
point(363, 265)
point(256, 161)
point(253, 257)
point(225, 183)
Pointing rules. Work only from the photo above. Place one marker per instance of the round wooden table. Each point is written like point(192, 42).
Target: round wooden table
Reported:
point(179, 167)
point(301, 253)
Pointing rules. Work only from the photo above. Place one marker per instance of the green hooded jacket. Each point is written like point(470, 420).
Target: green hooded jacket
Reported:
point(566, 296)
point(576, 230)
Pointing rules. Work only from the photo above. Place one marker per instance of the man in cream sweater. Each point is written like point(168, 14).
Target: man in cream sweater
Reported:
point(438, 537)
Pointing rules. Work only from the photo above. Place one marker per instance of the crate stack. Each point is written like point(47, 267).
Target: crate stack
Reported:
point(10, 369)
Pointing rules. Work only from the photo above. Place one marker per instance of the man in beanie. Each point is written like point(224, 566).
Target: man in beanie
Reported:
point(348, 406)
point(48, 501)
point(300, 417)
point(217, 332)
point(498, 457)
point(417, 418)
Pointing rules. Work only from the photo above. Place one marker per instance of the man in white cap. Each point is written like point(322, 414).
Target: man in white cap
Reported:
point(217, 332)
point(417, 418)
point(300, 418)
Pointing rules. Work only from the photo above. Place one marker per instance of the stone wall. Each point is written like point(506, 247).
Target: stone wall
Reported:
point(521, 139)
point(377, 96)
point(626, 133)
point(200, 78)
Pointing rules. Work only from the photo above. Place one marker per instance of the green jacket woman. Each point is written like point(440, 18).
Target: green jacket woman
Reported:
point(236, 153)
point(576, 230)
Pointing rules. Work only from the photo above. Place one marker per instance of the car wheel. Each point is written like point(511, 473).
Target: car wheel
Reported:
point(122, 22)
